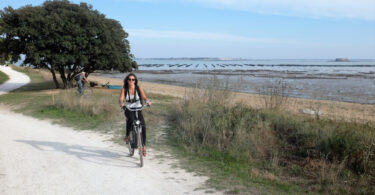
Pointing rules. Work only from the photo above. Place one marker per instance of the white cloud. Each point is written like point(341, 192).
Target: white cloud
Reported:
point(361, 9)
point(202, 36)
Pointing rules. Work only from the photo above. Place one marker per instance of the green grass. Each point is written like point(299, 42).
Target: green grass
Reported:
point(72, 117)
point(28, 98)
point(231, 176)
point(3, 77)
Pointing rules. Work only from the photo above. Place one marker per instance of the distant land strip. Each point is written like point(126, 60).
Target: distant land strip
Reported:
point(289, 65)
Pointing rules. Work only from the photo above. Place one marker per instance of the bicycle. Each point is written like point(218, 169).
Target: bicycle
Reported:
point(135, 136)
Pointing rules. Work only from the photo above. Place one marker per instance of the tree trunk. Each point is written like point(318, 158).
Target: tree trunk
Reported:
point(55, 79)
point(63, 78)
point(52, 70)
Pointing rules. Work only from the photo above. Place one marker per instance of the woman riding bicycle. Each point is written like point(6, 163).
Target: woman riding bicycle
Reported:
point(133, 95)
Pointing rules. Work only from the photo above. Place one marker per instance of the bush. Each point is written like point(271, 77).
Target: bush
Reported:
point(206, 119)
point(274, 94)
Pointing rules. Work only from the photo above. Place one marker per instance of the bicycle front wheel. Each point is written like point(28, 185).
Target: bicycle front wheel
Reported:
point(140, 146)
point(132, 143)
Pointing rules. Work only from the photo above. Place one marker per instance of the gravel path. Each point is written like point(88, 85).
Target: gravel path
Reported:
point(16, 80)
point(37, 157)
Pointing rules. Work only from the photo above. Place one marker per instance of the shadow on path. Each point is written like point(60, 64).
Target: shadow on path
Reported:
point(10, 86)
point(102, 156)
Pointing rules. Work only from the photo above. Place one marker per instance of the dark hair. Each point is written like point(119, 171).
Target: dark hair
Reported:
point(86, 74)
point(126, 85)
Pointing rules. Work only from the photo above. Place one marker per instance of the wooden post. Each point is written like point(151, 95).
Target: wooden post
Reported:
point(53, 99)
point(185, 95)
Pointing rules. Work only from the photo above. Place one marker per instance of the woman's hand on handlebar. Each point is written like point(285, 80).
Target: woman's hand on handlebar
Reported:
point(148, 103)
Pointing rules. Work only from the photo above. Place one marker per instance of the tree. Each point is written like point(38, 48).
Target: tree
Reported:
point(64, 38)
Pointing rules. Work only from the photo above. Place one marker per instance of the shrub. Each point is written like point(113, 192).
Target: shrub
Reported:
point(274, 94)
point(206, 119)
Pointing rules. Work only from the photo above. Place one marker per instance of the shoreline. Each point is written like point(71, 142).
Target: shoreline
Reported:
point(334, 110)
point(285, 74)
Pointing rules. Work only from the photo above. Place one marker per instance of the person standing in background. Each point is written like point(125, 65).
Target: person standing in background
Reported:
point(81, 78)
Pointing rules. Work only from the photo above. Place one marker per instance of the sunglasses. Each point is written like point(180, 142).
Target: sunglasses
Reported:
point(131, 79)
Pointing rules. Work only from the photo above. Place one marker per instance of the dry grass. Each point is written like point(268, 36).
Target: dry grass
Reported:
point(93, 105)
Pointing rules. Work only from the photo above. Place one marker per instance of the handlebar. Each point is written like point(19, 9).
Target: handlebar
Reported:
point(134, 109)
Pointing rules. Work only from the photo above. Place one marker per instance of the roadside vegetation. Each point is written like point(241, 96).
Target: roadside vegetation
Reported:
point(242, 149)
point(3, 77)
point(294, 154)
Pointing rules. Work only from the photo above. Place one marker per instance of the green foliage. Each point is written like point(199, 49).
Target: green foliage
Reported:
point(3, 77)
point(75, 118)
point(65, 38)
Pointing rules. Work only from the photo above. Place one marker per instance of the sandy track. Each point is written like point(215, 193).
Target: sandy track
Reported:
point(37, 157)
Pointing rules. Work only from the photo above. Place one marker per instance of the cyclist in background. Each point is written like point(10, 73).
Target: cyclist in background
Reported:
point(134, 96)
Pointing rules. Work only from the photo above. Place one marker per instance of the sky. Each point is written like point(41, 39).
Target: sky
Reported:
point(251, 29)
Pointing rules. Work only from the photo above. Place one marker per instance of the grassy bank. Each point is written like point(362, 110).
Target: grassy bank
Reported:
point(3, 77)
point(290, 153)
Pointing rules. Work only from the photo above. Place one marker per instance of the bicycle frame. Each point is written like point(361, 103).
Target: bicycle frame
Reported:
point(137, 128)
